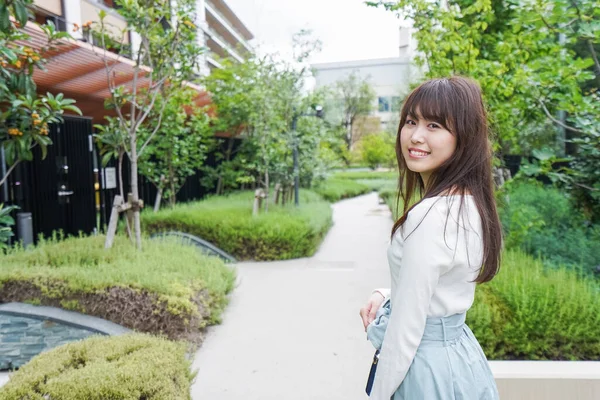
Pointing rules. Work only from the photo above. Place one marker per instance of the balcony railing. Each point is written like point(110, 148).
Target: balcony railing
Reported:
point(238, 35)
point(224, 44)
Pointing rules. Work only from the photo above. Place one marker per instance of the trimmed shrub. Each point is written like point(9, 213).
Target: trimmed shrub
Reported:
point(168, 288)
point(119, 367)
point(379, 185)
point(284, 232)
point(366, 175)
point(531, 313)
point(337, 189)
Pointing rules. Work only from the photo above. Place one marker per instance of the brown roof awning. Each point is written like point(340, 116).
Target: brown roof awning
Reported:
point(78, 69)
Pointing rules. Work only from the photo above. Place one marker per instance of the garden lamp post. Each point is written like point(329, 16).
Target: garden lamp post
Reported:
point(319, 114)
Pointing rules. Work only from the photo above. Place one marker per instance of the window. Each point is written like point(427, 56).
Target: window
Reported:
point(384, 104)
point(396, 104)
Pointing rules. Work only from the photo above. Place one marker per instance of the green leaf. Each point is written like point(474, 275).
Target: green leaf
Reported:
point(4, 18)
point(72, 108)
point(20, 12)
point(543, 154)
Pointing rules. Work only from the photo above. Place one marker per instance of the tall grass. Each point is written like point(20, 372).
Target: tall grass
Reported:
point(531, 313)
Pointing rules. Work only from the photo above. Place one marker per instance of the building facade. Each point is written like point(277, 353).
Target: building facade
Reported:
point(389, 77)
point(221, 32)
point(70, 189)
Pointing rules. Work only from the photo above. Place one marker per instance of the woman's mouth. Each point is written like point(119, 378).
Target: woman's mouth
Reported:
point(415, 153)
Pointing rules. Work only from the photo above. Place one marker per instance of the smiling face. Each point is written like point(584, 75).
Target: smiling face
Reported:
point(426, 144)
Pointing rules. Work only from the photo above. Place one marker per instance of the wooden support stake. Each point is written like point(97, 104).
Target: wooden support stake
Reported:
point(259, 195)
point(112, 224)
point(129, 214)
point(277, 193)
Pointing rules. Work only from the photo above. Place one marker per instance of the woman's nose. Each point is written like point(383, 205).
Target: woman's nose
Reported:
point(417, 136)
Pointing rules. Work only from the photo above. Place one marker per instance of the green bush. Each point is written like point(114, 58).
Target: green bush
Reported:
point(366, 175)
point(377, 149)
point(543, 222)
point(129, 367)
point(166, 288)
point(337, 189)
point(531, 313)
point(379, 185)
point(284, 232)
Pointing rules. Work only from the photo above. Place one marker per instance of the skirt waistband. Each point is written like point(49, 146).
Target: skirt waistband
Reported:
point(444, 329)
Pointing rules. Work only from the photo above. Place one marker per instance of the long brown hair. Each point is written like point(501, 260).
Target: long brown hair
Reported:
point(455, 103)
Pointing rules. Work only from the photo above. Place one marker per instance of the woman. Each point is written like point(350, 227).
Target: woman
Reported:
point(441, 247)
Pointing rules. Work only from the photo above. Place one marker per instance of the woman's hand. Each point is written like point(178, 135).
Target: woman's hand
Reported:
point(367, 313)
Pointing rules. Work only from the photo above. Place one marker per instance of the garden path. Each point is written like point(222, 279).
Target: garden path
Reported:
point(292, 329)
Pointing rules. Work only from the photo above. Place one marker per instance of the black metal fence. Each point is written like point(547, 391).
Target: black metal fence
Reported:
point(69, 190)
point(59, 190)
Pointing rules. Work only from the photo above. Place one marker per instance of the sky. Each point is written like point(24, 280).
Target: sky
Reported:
point(348, 29)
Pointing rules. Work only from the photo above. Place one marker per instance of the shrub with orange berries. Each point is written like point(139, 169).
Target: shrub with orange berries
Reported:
point(44, 130)
point(14, 132)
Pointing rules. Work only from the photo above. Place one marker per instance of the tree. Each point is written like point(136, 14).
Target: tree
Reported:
point(24, 115)
point(355, 97)
point(537, 63)
point(179, 147)
point(165, 58)
point(377, 149)
point(258, 100)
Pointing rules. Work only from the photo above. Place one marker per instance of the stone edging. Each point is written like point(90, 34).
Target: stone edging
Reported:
point(70, 318)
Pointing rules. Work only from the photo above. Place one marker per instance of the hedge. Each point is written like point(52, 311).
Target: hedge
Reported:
point(529, 312)
point(167, 288)
point(119, 367)
point(284, 232)
point(337, 189)
point(393, 175)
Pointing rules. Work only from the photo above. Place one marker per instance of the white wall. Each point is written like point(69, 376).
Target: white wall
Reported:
point(389, 77)
point(202, 25)
point(73, 16)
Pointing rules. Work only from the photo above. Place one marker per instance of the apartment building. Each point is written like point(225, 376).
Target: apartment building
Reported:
point(389, 77)
point(69, 189)
point(221, 31)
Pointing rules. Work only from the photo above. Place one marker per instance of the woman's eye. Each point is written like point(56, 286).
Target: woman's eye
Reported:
point(410, 122)
point(434, 126)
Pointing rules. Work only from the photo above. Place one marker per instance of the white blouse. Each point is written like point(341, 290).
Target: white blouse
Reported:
point(433, 259)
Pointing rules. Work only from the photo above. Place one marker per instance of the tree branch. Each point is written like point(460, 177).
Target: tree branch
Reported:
point(5, 177)
point(557, 121)
point(155, 129)
point(594, 56)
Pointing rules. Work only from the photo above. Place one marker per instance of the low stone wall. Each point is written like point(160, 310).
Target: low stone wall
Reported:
point(27, 330)
point(547, 380)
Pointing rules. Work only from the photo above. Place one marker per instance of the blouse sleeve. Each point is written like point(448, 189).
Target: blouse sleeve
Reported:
point(424, 256)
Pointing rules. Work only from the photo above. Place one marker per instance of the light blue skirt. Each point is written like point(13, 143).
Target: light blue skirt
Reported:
point(449, 365)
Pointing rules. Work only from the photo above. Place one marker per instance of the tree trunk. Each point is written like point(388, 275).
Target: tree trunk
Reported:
point(122, 192)
point(172, 198)
point(276, 194)
point(134, 191)
point(227, 158)
point(120, 167)
point(266, 190)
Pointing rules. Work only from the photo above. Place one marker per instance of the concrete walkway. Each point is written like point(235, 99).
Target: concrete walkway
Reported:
point(292, 330)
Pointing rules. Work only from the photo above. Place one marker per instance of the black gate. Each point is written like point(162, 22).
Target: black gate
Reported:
point(59, 190)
